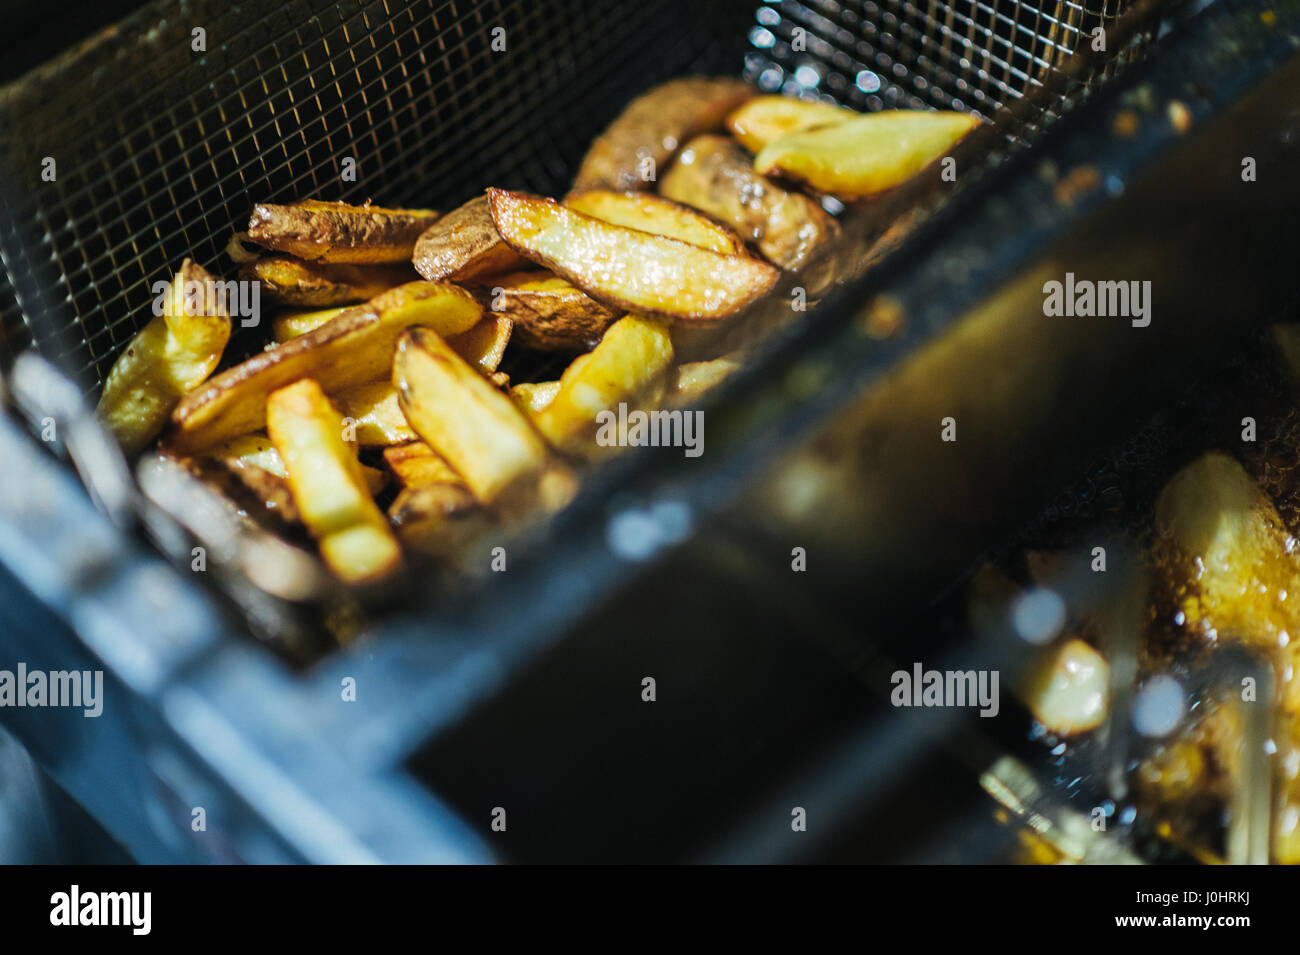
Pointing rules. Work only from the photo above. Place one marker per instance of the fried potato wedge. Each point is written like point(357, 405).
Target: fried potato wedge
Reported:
point(353, 348)
point(374, 415)
point(465, 418)
point(372, 409)
point(290, 281)
point(416, 464)
point(865, 156)
point(463, 246)
point(649, 131)
point(173, 354)
point(289, 325)
point(651, 213)
point(548, 313)
point(765, 118)
point(337, 232)
point(717, 177)
point(534, 396)
point(438, 520)
point(628, 269)
point(328, 485)
point(694, 378)
point(629, 365)
point(484, 345)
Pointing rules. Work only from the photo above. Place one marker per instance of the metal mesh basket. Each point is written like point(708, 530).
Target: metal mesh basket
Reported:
point(159, 149)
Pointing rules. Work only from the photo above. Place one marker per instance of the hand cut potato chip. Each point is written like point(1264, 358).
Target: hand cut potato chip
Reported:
point(173, 354)
point(651, 213)
point(629, 365)
point(717, 177)
point(338, 232)
point(693, 379)
point(626, 268)
point(291, 281)
point(352, 349)
point(484, 345)
point(416, 464)
point(534, 396)
point(289, 325)
point(465, 419)
point(374, 414)
point(765, 118)
point(328, 485)
point(463, 246)
point(866, 156)
point(649, 131)
point(548, 313)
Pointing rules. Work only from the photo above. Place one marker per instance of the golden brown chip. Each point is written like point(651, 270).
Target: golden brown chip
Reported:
point(646, 135)
point(717, 177)
point(463, 246)
point(465, 418)
point(629, 365)
point(651, 213)
point(173, 354)
point(338, 232)
point(548, 313)
point(867, 155)
point(765, 118)
point(416, 464)
point(289, 281)
point(628, 269)
point(328, 485)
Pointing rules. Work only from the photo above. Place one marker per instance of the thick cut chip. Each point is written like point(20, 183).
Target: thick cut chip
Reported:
point(549, 314)
point(534, 396)
point(289, 281)
point(643, 139)
point(626, 268)
point(328, 485)
point(717, 177)
point(866, 156)
point(289, 325)
point(462, 416)
point(373, 412)
point(484, 345)
point(463, 246)
point(173, 354)
point(353, 348)
point(651, 213)
point(416, 464)
point(337, 232)
point(629, 365)
point(694, 378)
point(765, 118)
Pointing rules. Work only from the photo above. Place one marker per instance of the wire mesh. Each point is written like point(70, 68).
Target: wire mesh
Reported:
point(978, 55)
point(159, 149)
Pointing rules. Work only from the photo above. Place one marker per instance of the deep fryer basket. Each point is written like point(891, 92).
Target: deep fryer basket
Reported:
point(162, 150)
